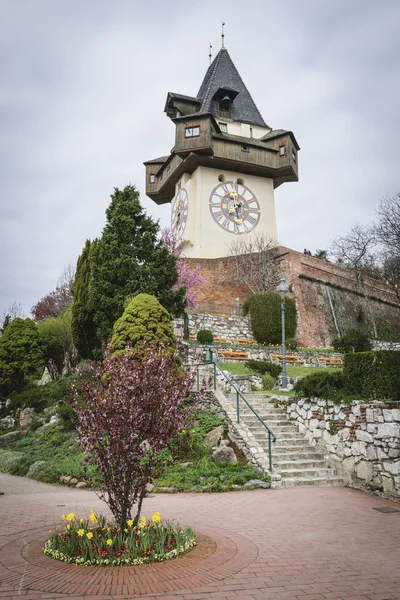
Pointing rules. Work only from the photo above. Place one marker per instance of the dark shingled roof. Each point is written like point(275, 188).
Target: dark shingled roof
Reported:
point(222, 73)
point(273, 134)
point(183, 97)
point(160, 160)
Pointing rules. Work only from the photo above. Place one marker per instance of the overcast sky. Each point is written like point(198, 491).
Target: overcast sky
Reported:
point(82, 91)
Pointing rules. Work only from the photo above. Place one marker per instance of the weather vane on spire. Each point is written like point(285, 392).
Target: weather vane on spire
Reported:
point(209, 55)
point(223, 35)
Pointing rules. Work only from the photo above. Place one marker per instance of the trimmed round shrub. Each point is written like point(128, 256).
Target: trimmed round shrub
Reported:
point(268, 381)
point(353, 340)
point(205, 336)
point(266, 317)
point(144, 322)
point(262, 366)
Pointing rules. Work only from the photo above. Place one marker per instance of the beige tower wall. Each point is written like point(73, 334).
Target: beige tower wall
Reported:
point(204, 238)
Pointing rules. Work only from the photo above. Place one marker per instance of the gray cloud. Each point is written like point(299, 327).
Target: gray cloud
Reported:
point(83, 85)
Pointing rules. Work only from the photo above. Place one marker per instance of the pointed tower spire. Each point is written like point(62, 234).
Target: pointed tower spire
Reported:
point(223, 36)
point(222, 77)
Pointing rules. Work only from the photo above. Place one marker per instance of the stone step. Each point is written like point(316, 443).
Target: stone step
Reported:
point(294, 456)
point(298, 481)
point(293, 442)
point(307, 472)
point(318, 463)
point(271, 422)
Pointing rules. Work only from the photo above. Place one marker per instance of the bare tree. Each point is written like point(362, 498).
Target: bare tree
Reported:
point(356, 250)
point(14, 310)
point(255, 262)
point(387, 228)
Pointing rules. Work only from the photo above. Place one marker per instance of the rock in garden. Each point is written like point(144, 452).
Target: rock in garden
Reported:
point(81, 484)
point(54, 419)
point(257, 484)
point(7, 423)
point(167, 490)
point(67, 479)
point(213, 437)
point(26, 418)
point(73, 481)
point(35, 468)
point(46, 377)
point(12, 436)
point(149, 487)
point(224, 454)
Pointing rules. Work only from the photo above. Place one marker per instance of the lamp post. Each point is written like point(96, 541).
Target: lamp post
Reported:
point(283, 289)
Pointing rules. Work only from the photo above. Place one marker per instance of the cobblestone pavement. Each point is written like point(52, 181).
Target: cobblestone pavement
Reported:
point(298, 544)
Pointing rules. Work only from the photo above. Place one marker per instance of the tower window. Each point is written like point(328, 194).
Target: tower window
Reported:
point(222, 178)
point(223, 127)
point(240, 181)
point(294, 156)
point(192, 131)
point(251, 132)
point(152, 178)
point(282, 150)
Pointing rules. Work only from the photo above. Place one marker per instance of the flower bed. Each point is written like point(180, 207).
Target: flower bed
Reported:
point(94, 541)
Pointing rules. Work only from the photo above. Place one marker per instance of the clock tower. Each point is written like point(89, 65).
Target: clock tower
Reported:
point(226, 162)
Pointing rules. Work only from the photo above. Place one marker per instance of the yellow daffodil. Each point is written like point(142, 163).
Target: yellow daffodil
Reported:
point(129, 523)
point(70, 516)
point(156, 517)
point(68, 526)
point(142, 522)
point(92, 518)
point(126, 530)
point(109, 542)
point(81, 520)
point(63, 516)
point(81, 532)
point(89, 535)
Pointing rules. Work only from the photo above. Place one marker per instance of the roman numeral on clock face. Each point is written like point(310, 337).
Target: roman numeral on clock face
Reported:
point(243, 207)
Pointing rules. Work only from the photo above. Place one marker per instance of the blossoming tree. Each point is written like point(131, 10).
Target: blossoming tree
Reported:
point(130, 411)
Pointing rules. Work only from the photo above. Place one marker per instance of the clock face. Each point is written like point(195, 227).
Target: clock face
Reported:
point(234, 207)
point(179, 214)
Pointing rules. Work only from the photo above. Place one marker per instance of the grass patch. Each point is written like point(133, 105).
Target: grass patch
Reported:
point(291, 370)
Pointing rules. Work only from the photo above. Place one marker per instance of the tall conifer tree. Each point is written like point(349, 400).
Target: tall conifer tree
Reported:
point(130, 259)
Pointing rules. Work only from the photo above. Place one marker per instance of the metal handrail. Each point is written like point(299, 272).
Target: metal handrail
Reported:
point(271, 435)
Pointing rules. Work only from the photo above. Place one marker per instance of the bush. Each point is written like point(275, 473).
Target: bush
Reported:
point(41, 396)
point(268, 381)
point(322, 384)
point(143, 321)
point(374, 375)
point(353, 340)
point(262, 366)
point(291, 344)
point(266, 317)
point(205, 336)
point(21, 356)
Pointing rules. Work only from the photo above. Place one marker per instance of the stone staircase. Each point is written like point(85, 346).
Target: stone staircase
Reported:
point(293, 458)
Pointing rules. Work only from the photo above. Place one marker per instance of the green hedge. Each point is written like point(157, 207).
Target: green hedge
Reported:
point(373, 375)
point(262, 366)
point(266, 317)
point(365, 376)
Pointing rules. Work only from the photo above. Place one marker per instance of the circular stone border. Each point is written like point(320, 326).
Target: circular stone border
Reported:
point(217, 555)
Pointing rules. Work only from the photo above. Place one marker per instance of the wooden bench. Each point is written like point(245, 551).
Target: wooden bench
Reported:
point(291, 359)
point(219, 340)
point(226, 354)
point(252, 342)
point(331, 361)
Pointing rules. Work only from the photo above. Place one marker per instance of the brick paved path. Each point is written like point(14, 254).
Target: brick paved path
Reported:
point(297, 544)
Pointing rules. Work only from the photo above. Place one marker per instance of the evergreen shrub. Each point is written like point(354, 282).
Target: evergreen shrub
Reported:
point(322, 384)
point(266, 317)
point(353, 340)
point(144, 321)
point(268, 381)
point(205, 336)
point(262, 366)
point(374, 375)
point(291, 344)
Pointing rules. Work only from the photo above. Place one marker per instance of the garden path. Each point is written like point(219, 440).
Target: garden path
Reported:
point(283, 544)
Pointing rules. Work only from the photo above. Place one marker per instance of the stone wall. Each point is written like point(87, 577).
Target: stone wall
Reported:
point(380, 345)
point(363, 440)
point(230, 328)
